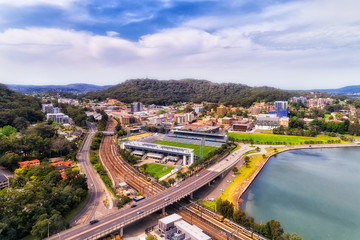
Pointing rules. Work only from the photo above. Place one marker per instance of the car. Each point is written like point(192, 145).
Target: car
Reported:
point(92, 185)
point(177, 185)
point(134, 205)
point(93, 221)
point(167, 199)
point(197, 175)
point(222, 189)
point(139, 212)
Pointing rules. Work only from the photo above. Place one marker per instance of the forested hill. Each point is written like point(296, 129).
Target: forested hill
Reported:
point(151, 91)
point(18, 110)
point(70, 88)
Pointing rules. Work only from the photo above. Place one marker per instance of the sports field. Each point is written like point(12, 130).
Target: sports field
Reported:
point(262, 138)
point(196, 148)
point(156, 170)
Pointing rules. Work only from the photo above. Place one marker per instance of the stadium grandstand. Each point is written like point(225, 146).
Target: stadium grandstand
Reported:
point(211, 139)
point(186, 153)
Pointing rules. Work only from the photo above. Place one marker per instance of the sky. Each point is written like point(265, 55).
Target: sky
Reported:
point(286, 44)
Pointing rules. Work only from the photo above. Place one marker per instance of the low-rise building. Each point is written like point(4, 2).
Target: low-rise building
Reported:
point(174, 227)
point(267, 121)
point(32, 163)
point(58, 117)
point(4, 181)
point(242, 125)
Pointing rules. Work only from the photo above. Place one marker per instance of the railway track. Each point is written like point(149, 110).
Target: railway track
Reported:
point(119, 169)
point(226, 227)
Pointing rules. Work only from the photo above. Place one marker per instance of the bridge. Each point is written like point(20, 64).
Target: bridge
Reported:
point(117, 221)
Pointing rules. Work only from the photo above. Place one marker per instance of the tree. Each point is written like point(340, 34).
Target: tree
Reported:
point(293, 236)
point(8, 130)
point(171, 181)
point(235, 169)
point(40, 229)
point(150, 237)
point(239, 216)
point(247, 161)
point(274, 230)
point(164, 183)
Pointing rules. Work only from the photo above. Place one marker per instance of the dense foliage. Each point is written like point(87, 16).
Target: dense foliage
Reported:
point(40, 141)
point(76, 113)
point(39, 198)
point(272, 229)
point(18, 110)
point(150, 91)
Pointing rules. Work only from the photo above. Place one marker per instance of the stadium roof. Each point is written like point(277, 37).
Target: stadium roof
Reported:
point(158, 147)
point(201, 133)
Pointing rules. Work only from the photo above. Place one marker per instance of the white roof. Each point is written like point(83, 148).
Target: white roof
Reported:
point(192, 230)
point(155, 155)
point(170, 219)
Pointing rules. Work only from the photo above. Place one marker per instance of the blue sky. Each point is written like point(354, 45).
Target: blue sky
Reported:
point(288, 44)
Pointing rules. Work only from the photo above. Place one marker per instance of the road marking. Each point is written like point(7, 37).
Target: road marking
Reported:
point(131, 212)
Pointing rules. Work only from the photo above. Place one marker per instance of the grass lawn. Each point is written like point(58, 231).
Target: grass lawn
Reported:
point(243, 174)
point(196, 148)
point(251, 151)
point(157, 170)
point(237, 148)
point(211, 205)
point(273, 139)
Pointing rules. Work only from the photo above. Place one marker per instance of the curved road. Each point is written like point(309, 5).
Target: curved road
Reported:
point(111, 222)
point(94, 207)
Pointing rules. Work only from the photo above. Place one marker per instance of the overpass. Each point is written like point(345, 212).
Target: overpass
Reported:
point(117, 221)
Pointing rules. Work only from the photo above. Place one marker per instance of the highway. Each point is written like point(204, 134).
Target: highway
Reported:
point(97, 191)
point(115, 221)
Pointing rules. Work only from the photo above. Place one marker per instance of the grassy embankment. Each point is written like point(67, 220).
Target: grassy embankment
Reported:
point(274, 139)
point(246, 174)
point(196, 148)
point(156, 170)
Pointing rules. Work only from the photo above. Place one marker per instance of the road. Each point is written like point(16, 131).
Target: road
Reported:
point(94, 207)
point(113, 222)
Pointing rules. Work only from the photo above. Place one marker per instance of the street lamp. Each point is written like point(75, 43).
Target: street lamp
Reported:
point(49, 228)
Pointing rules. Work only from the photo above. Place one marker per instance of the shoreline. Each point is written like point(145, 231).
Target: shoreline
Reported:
point(239, 200)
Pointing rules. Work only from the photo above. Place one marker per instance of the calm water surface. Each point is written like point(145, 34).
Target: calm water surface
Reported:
point(314, 192)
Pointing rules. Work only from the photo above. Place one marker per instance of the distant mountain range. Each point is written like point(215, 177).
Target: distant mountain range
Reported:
point(72, 88)
point(348, 90)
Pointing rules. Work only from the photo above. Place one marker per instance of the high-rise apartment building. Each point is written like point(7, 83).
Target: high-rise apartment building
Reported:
point(281, 108)
point(136, 107)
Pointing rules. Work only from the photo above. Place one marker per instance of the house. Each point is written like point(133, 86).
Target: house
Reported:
point(32, 163)
point(4, 181)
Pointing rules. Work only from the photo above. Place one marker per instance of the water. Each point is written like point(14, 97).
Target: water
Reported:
point(313, 192)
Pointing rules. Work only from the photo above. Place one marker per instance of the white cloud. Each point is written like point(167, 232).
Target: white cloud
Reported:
point(25, 3)
point(294, 45)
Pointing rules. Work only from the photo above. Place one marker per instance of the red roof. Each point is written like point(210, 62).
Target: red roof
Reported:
point(32, 162)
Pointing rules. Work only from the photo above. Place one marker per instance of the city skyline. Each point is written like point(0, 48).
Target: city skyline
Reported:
point(284, 44)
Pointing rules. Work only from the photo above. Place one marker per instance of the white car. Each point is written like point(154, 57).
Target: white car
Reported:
point(177, 186)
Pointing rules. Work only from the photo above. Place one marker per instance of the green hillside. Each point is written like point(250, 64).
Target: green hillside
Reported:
point(18, 110)
point(163, 92)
